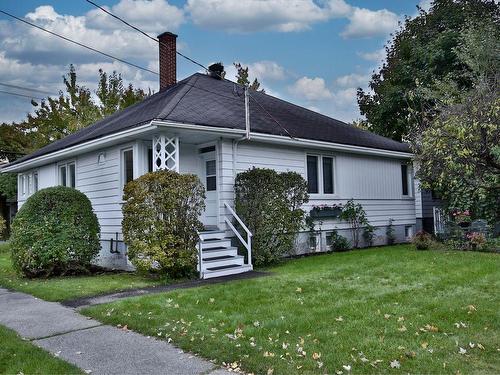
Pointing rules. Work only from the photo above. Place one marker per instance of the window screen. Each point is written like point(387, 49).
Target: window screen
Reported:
point(404, 178)
point(211, 174)
point(128, 166)
point(62, 175)
point(72, 175)
point(312, 174)
point(327, 175)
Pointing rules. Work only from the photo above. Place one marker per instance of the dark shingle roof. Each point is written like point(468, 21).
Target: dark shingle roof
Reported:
point(203, 100)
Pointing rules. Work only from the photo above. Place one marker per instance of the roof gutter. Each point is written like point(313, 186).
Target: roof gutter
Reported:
point(285, 140)
point(79, 148)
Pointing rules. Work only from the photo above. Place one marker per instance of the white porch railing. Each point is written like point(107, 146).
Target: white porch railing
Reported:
point(248, 243)
point(439, 220)
point(200, 253)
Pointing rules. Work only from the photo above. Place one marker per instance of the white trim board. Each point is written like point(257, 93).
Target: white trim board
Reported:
point(155, 124)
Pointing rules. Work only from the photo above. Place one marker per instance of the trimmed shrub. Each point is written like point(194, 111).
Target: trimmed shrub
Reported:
point(269, 203)
point(355, 215)
point(55, 233)
point(422, 240)
point(160, 221)
point(338, 242)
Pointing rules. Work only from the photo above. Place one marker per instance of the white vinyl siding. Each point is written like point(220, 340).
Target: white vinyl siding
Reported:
point(373, 181)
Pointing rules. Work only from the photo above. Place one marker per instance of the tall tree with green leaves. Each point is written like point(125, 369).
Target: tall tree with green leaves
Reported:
point(458, 151)
point(54, 118)
point(113, 95)
point(422, 51)
point(242, 78)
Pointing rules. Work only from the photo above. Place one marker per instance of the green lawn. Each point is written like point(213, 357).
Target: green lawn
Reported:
point(71, 287)
point(18, 356)
point(362, 309)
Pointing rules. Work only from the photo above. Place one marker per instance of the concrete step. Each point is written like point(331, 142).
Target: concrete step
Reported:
point(212, 244)
point(219, 252)
point(225, 271)
point(215, 263)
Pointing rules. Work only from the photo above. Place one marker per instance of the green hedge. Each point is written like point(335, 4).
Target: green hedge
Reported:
point(54, 233)
point(160, 219)
point(269, 203)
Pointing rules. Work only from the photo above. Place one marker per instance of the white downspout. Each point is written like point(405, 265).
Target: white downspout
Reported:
point(246, 137)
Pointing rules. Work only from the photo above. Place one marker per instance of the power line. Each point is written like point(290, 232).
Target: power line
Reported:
point(271, 116)
point(22, 95)
point(145, 34)
point(25, 88)
point(79, 44)
point(182, 55)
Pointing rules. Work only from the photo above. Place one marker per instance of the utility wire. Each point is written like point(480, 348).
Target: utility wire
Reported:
point(271, 116)
point(26, 88)
point(145, 34)
point(22, 95)
point(79, 44)
point(184, 56)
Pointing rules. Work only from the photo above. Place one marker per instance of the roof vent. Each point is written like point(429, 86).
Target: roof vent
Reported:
point(216, 70)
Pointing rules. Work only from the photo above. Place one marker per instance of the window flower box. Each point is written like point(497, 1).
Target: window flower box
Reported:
point(332, 212)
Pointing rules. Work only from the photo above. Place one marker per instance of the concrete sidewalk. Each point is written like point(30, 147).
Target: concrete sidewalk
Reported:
point(92, 346)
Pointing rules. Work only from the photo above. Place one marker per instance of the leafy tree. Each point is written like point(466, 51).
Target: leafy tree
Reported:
point(55, 118)
point(422, 51)
point(113, 95)
point(242, 78)
point(459, 151)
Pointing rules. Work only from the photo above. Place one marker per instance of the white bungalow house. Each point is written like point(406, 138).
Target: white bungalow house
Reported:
point(210, 127)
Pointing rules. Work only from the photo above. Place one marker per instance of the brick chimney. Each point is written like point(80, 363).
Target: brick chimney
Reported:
point(168, 59)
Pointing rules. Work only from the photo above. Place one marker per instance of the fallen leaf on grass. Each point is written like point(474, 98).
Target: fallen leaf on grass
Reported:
point(395, 364)
point(402, 329)
point(316, 356)
point(347, 367)
point(462, 351)
point(339, 319)
point(480, 346)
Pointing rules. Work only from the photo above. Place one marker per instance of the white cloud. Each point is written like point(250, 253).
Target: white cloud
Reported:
point(425, 4)
point(153, 16)
point(258, 15)
point(311, 89)
point(365, 23)
point(376, 56)
point(352, 80)
point(267, 70)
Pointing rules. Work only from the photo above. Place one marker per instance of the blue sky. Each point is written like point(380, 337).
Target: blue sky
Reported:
point(313, 53)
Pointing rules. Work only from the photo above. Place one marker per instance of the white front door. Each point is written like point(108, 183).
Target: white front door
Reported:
point(208, 176)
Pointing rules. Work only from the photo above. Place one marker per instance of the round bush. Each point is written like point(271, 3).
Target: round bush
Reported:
point(55, 233)
point(422, 240)
point(160, 220)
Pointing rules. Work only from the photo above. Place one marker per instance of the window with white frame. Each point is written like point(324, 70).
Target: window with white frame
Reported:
point(67, 174)
point(406, 180)
point(28, 183)
point(127, 165)
point(320, 174)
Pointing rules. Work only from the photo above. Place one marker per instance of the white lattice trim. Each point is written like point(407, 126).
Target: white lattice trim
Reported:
point(165, 153)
